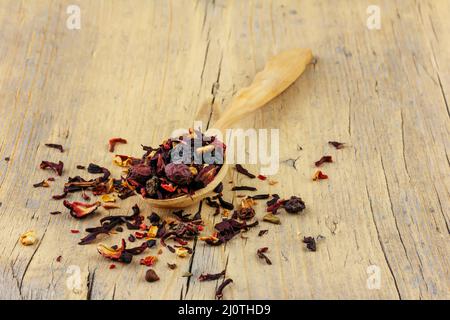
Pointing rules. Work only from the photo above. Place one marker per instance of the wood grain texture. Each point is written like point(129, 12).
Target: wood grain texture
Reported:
point(139, 71)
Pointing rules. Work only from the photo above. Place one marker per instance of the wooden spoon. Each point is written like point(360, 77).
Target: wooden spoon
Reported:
point(278, 74)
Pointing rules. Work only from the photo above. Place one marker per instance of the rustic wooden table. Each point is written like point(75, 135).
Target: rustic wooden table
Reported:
point(140, 69)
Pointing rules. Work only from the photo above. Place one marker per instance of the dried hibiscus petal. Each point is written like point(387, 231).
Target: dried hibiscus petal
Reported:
point(115, 254)
point(168, 187)
point(206, 175)
point(319, 175)
point(57, 167)
point(178, 173)
point(80, 210)
point(149, 261)
point(114, 141)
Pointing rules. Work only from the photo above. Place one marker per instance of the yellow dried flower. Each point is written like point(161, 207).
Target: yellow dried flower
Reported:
point(28, 238)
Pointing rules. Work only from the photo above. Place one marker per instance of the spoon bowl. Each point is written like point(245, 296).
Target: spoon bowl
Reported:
point(278, 74)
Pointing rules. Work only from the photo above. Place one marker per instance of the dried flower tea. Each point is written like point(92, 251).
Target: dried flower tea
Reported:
point(149, 261)
point(28, 238)
point(80, 210)
point(319, 175)
point(116, 254)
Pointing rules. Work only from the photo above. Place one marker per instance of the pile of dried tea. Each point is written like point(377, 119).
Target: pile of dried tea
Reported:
point(177, 167)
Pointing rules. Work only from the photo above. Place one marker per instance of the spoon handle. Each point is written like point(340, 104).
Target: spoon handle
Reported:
point(278, 74)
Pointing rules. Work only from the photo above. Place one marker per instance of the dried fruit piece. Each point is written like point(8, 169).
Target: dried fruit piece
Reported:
point(149, 261)
point(80, 210)
point(246, 213)
point(151, 276)
point(182, 252)
point(319, 175)
point(178, 173)
point(171, 266)
point(294, 205)
point(108, 198)
point(152, 232)
point(206, 175)
point(261, 177)
point(115, 254)
point(28, 238)
point(272, 218)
